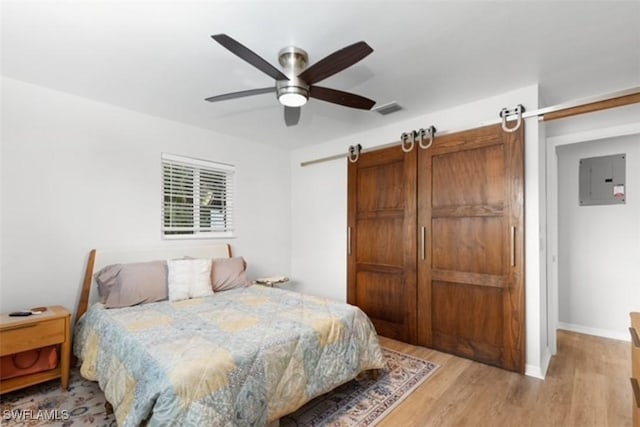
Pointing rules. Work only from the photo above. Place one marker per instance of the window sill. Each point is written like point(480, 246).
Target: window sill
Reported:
point(227, 235)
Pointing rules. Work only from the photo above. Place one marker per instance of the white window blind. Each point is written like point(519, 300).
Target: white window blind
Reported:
point(197, 198)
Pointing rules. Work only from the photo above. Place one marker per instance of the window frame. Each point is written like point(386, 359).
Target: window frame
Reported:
point(198, 165)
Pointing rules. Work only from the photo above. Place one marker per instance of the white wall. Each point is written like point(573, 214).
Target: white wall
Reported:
point(1, 180)
point(319, 221)
point(598, 246)
point(77, 175)
point(546, 347)
point(319, 209)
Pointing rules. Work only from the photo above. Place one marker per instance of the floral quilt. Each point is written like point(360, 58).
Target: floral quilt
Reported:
point(243, 357)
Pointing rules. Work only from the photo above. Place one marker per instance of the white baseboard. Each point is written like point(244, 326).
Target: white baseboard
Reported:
point(546, 359)
point(539, 371)
point(533, 371)
point(605, 333)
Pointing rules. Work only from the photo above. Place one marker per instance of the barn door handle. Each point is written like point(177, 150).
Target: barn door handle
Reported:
point(348, 240)
point(423, 248)
point(513, 246)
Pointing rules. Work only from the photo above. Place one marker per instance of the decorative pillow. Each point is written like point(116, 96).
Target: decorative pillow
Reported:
point(229, 273)
point(124, 285)
point(189, 278)
point(107, 280)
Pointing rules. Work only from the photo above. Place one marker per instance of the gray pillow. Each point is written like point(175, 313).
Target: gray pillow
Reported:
point(229, 273)
point(124, 285)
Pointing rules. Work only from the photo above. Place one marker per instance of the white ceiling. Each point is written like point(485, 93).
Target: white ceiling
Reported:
point(158, 58)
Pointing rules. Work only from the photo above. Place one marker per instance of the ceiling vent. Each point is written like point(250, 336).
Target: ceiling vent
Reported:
point(389, 108)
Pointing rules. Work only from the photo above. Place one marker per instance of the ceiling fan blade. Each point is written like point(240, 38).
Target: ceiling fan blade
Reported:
point(248, 55)
point(292, 115)
point(241, 94)
point(336, 62)
point(343, 98)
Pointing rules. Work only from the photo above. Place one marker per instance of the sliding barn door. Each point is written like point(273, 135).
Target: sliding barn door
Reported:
point(381, 266)
point(471, 266)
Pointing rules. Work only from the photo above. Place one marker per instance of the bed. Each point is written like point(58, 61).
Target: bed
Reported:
point(242, 357)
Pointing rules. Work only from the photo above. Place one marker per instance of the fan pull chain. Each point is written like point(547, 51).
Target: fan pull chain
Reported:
point(505, 113)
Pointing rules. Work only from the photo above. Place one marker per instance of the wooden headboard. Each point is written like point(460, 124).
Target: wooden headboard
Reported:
point(101, 258)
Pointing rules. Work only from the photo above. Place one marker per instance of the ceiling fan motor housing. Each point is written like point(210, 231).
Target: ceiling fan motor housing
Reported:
point(293, 60)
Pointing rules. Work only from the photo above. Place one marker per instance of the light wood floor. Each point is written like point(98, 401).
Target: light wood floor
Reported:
point(587, 384)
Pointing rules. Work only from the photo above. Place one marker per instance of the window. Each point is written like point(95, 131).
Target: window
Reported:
point(197, 198)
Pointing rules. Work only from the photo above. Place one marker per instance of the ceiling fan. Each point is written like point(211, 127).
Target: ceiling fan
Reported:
point(296, 83)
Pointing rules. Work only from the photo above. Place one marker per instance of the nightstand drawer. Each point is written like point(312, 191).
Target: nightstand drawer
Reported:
point(32, 335)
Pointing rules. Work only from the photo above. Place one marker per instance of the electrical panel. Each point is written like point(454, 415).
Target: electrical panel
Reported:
point(602, 180)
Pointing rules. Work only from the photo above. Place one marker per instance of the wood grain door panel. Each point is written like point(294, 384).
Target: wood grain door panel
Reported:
point(378, 240)
point(381, 267)
point(469, 178)
point(470, 296)
point(379, 298)
point(476, 242)
point(387, 175)
point(476, 332)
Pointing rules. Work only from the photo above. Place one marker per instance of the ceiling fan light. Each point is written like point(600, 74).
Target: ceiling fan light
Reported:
point(292, 99)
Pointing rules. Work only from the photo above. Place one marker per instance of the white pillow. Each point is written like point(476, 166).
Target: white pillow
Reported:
point(189, 278)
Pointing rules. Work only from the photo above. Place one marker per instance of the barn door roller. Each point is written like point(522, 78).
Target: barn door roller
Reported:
point(505, 114)
point(417, 135)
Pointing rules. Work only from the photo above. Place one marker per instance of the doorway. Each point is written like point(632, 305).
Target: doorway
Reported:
point(599, 304)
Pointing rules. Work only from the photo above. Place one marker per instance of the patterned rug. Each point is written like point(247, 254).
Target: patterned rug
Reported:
point(357, 403)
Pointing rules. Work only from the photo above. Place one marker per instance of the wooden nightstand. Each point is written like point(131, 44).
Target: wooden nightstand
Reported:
point(17, 334)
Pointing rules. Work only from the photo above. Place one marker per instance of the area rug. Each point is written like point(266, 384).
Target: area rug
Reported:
point(363, 402)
